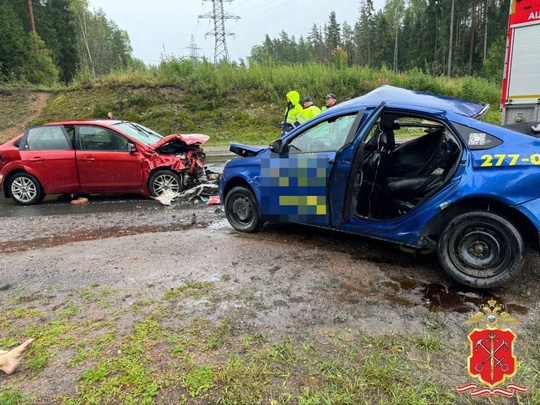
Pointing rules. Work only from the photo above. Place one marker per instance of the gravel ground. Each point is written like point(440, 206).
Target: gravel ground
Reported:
point(284, 281)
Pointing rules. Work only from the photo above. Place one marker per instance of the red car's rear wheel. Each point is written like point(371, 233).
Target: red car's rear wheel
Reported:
point(25, 189)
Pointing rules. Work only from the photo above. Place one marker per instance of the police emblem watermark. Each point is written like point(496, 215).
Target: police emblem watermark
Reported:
point(492, 358)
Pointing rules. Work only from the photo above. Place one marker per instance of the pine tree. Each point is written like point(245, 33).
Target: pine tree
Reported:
point(332, 33)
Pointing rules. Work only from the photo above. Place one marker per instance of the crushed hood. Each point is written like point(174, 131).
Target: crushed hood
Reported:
point(188, 139)
point(245, 150)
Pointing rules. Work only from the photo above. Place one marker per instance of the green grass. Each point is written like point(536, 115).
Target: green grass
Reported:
point(171, 356)
point(15, 398)
point(228, 103)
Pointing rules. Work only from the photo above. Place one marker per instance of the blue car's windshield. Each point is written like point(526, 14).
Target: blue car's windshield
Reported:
point(139, 132)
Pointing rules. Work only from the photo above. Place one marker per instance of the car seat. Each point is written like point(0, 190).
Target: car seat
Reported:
point(429, 178)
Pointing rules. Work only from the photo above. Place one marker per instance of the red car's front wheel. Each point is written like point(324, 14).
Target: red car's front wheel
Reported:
point(163, 180)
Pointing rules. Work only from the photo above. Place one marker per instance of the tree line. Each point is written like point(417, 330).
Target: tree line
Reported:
point(44, 42)
point(439, 37)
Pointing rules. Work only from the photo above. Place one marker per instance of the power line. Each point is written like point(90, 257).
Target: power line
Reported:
point(220, 32)
point(257, 9)
point(193, 50)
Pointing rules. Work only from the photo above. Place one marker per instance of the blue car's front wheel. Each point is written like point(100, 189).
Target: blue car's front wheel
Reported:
point(481, 249)
point(242, 210)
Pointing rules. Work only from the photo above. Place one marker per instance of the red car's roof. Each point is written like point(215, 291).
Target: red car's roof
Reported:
point(76, 122)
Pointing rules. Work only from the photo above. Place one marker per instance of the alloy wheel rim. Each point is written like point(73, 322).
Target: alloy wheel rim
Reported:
point(24, 189)
point(164, 183)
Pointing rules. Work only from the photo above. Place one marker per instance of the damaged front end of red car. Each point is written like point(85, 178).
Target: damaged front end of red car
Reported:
point(182, 154)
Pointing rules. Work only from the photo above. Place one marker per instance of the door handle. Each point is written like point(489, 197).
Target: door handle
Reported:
point(88, 159)
point(37, 159)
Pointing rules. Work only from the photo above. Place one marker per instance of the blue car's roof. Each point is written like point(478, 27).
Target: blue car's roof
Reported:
point(396, 96)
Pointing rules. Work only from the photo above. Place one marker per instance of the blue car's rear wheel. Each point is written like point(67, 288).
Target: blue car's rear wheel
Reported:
point(242, 210)
point(481, 249)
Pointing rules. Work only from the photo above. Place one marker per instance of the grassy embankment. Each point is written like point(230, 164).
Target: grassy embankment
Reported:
point(231, 104)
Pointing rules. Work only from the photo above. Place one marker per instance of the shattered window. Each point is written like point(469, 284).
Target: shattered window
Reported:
point(328, 136)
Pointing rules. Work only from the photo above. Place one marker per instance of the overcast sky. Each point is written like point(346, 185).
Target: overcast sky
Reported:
point(156, 27)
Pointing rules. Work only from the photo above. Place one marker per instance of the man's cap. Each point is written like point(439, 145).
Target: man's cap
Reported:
point(330, 95)
point(306, 99)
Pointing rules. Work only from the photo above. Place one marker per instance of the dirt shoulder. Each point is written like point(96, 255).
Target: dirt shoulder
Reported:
point(19, 108)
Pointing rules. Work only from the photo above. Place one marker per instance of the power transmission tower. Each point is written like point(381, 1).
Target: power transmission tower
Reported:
point(193, 54)
point(219, 16)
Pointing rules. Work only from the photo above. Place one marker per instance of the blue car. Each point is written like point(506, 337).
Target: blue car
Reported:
point(417, 169)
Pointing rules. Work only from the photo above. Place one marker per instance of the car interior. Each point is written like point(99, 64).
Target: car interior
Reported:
point(406, 160)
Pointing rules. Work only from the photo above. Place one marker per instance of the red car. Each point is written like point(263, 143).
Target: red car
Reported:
point(98, 157)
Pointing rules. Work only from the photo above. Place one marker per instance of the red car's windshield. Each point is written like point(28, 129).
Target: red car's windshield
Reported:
point(139, 132)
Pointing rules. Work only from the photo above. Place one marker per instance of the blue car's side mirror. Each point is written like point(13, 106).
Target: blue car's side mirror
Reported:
point(277, 146)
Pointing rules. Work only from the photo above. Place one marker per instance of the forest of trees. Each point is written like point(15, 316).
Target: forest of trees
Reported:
point(44, 42)
point(438, 37)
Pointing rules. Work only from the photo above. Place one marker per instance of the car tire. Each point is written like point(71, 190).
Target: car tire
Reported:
point(25, 189)
point(481, 249)
point(242, 210)
point(162, 180)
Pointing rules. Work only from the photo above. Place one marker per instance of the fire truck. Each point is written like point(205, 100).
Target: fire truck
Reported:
point(520, 99)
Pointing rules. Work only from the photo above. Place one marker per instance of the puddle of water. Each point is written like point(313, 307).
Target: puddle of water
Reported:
point(440, 298)
point(517, 309)
point(462, 300)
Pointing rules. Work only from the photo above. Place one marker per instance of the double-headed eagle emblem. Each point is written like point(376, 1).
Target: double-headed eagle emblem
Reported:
point(492, 314)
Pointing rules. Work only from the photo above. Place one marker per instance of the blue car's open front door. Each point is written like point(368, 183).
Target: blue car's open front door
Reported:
point(346, 176)
point(295, 178)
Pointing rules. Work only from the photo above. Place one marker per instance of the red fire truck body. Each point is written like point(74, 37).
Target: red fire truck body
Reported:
point(520, 100)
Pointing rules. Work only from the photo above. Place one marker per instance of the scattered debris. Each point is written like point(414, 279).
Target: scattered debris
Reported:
point(203, 191)
point(213, 200)
point(206, 192)
point(80, 200)
point(167, 197)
